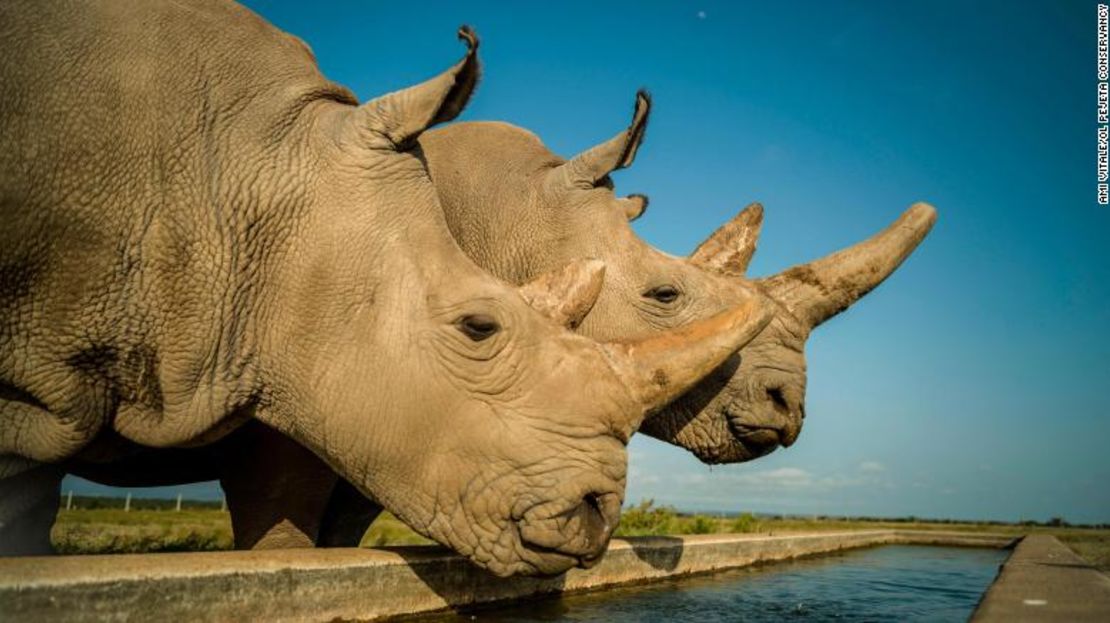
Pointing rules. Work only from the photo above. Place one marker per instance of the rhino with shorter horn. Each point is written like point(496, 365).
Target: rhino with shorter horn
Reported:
point(202, 231)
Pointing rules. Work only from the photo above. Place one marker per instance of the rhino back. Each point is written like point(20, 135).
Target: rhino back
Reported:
point(150, 150)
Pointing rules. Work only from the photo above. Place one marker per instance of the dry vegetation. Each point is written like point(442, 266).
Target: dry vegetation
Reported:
point(111, 530)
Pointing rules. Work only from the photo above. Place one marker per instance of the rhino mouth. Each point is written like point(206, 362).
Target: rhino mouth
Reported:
point(547, 560)
point(757, 441)
point(573, 534)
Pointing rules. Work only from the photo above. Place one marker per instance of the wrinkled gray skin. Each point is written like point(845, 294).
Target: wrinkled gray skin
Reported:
point(201, 231)
point(520, 210)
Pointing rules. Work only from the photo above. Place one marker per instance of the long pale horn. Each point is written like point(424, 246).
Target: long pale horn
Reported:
point(729, 250)
point(823, 288)
point(659, 369)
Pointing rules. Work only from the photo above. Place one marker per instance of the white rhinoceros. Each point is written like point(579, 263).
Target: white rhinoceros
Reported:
point(200, 230)
point(519, 211)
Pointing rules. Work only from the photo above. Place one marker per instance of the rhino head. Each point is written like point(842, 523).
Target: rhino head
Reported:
point(762, 401)
point(518, 209)
point(441, 392)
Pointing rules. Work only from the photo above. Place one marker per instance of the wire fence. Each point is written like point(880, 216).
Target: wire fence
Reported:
point(70, 502)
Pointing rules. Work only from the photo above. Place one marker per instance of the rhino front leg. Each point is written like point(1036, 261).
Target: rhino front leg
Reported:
point(277, 490)
point(347, 517)
point(29, 498)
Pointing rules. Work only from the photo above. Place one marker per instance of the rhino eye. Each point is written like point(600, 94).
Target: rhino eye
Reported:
point(663, 294)
point(478, 327)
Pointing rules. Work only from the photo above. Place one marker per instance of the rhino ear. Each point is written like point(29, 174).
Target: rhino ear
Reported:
point(566, 295)
point(634, 206)
point(395, 120)
point(589, 167)
point(729, 250)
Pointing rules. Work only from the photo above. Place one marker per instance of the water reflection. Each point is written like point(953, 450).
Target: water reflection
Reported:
point(892, 583)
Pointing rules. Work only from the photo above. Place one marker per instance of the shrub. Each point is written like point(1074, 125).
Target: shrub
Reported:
point(745, 522)
point(645, 519)
point(699, 524)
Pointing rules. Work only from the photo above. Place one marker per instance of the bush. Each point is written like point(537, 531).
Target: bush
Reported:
point(645, 519)
point(699, 524)
point(744, 523)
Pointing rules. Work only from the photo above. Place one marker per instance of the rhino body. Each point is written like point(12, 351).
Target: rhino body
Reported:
point(519, 210)
point(201, 232)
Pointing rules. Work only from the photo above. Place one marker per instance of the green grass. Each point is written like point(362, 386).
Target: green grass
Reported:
point(111, 530)
point(388, 530)
point(114, 531)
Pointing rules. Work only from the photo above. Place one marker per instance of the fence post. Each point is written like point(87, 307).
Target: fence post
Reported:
point(127, 503)
point(69, 500)
point(223, 503)
point(178, 509)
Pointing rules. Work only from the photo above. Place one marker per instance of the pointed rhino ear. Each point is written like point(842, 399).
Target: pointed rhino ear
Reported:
point(566, 295)
point(634, 206)
point(729, 250)
point(588, 168)
point(395, 120)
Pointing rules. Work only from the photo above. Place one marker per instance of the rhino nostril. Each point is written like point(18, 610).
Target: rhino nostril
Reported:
point(601, 512)
point(775, 395)
point(591, 502)
point(596, 524)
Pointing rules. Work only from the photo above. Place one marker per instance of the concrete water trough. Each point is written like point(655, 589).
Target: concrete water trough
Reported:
point(366, 584)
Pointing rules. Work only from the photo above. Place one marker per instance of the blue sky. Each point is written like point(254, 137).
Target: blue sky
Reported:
point(973, 383)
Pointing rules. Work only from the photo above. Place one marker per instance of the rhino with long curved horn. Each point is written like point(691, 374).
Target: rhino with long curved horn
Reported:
point(520, 209)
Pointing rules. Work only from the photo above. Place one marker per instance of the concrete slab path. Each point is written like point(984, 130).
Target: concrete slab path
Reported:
point(1043, 580)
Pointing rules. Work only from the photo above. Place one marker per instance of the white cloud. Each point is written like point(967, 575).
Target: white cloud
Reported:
point(782, 477)
point(871, 467)
point(788, 476)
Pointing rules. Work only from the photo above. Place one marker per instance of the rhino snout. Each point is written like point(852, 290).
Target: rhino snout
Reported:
point(772, 419)
point(581, 531)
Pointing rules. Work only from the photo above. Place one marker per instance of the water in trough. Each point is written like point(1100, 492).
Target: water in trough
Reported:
point(891, 583)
